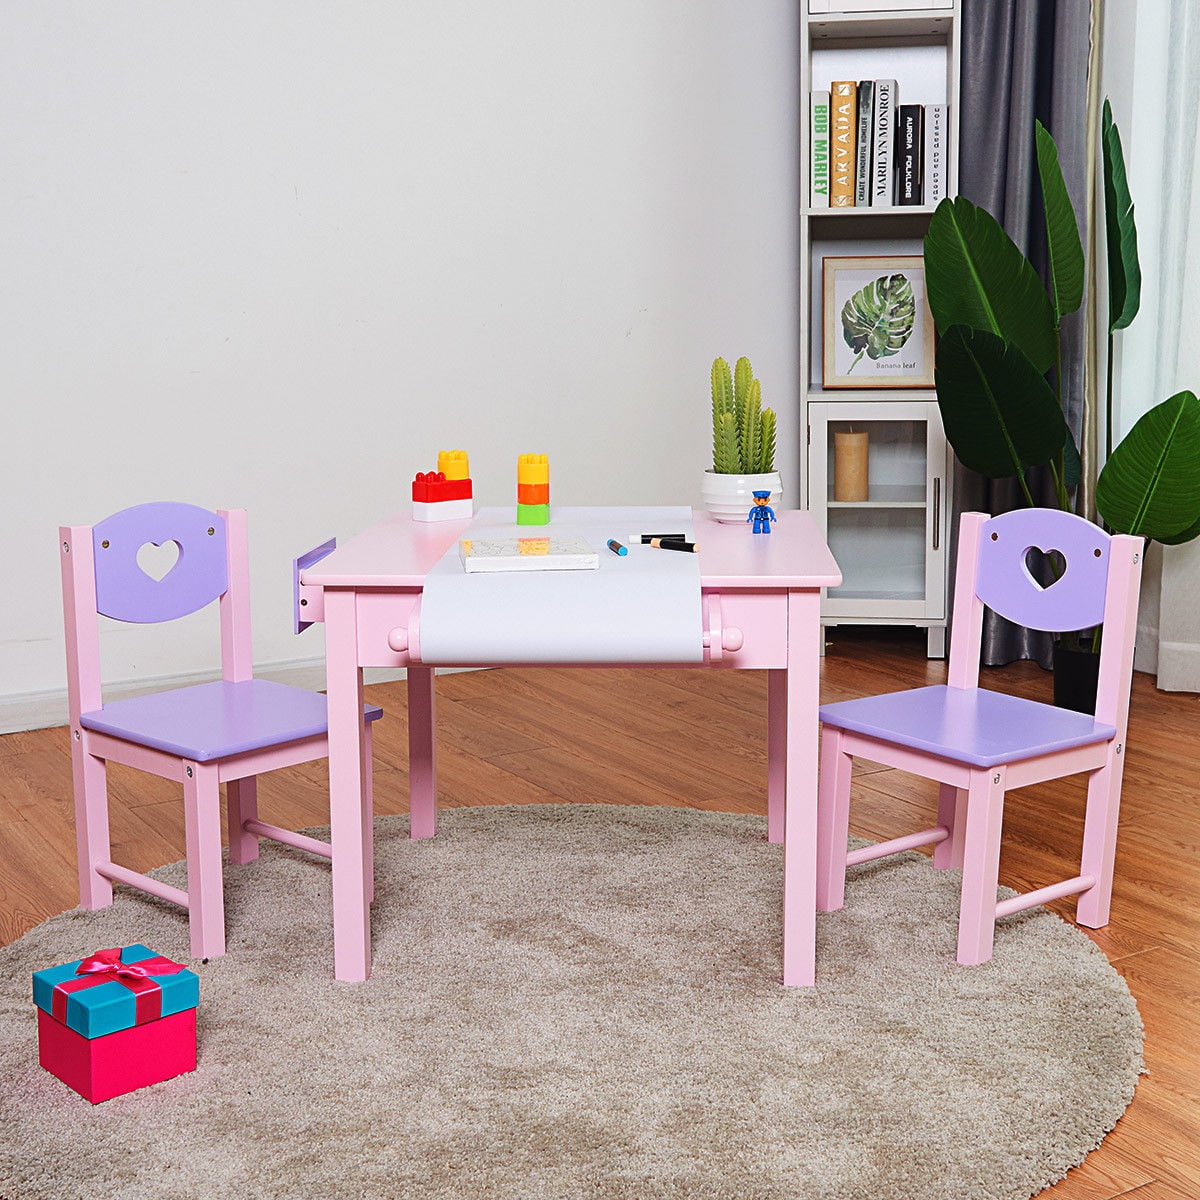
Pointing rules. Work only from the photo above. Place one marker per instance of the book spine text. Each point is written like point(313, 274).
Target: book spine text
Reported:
point(908, 154)
point(818, 150)
point(862, 170)
point(883, 191)
point(843, 130)
point(936, 164)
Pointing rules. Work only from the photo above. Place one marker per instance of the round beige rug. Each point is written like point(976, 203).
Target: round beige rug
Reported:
point(584, 1001)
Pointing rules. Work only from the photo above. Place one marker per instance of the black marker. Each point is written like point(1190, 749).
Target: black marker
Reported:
point(645, 539)
point(673, 544)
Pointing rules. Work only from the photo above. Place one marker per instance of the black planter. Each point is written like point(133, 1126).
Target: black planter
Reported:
point(1075, 674)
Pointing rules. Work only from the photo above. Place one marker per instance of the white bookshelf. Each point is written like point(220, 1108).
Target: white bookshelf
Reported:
point(891, 546)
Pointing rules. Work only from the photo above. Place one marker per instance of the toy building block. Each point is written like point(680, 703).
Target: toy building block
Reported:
point(533, 468)
point(533, 493)
point(445, 494)
point(116, 1021)
point(533, 489)
point(433, 487)
point(533, 514)
point(453, 464)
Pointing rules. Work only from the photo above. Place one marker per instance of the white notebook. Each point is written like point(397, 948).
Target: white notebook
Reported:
point(554, 552)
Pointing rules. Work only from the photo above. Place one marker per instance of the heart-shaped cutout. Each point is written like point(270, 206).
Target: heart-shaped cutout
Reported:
point(158, 559)
point(1045, 567)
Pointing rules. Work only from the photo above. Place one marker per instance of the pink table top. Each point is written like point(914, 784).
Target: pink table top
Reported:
point(398, 552)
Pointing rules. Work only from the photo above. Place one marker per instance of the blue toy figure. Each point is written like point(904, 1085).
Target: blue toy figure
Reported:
point(762, 514)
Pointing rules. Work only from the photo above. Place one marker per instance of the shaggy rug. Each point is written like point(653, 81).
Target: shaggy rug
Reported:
point(584, 1001)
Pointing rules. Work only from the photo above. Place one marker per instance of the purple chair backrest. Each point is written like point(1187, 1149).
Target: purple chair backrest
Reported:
point(126, 592)
point(1005, 584)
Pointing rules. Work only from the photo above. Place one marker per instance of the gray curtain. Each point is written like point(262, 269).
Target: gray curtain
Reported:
point(1023, 59)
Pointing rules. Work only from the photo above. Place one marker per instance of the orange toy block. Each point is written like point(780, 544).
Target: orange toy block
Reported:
point(533, 493)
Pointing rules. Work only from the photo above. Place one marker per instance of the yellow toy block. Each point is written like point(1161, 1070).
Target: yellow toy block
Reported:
point(533, 468)
point(453, 464)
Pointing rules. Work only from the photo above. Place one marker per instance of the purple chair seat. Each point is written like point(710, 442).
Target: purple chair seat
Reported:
point(217, 720)
point(972, 725)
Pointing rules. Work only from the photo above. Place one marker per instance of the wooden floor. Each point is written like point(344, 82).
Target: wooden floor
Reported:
point(694, 738)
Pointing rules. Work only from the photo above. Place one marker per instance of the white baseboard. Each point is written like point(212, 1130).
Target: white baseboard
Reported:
point(1179, 667)
point(45, 710)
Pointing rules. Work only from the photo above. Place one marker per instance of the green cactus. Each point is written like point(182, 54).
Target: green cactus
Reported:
point(743, 431)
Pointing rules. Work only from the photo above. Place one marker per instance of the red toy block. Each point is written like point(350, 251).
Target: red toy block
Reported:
point(103, 1067)
point(533, 493)
point(433, 486)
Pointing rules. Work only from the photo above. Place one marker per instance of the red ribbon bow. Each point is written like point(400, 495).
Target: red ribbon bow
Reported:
point(105, 966)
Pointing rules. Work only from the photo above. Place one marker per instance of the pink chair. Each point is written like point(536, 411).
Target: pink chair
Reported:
point(977, 744)
point(228, 731)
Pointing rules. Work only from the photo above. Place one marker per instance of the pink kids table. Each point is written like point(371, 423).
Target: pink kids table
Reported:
point(760, 603)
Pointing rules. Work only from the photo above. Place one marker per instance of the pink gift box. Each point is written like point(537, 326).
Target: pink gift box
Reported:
point(101, 1023)
point(104, 1067)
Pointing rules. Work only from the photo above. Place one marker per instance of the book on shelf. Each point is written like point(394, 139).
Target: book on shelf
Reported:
point(843, 130)
point(818, 150)
point(560, 552)
point(909, 148)
point(866, 149)
point(934, 170)
point(863, 141)
point(883, 131)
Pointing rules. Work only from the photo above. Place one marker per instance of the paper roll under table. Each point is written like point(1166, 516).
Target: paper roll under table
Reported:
point(850, 466)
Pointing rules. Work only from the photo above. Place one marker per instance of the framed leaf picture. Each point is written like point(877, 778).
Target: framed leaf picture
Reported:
point(876, 324)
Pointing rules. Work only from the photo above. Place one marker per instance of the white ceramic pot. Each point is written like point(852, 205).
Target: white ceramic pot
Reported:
point(731, 497)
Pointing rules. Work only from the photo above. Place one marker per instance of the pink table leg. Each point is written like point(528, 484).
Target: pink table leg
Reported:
point(777, 729)
point(349, 835)
point(800, 805)
point(422, 764)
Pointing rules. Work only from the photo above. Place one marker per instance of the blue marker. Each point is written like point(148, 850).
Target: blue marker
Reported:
point(616, 546)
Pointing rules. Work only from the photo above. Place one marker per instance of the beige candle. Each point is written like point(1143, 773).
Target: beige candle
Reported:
point(850, 465)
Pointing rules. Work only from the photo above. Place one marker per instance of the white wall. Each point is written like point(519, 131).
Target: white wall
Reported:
point(278, 254)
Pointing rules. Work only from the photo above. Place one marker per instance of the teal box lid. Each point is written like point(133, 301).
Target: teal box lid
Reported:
point(108, 998)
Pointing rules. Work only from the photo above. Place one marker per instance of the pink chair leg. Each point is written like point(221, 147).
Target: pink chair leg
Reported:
point(202, 830)
point(241, 799)
point(949, 853)
point(92, 845)
point(833, 820)
point(1100, 840)
point(368, 770)
point(981, 866)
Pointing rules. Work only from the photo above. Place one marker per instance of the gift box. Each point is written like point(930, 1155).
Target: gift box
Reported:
point(116, 1021)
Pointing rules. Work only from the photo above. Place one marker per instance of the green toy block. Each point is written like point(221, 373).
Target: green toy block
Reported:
point(533, 514)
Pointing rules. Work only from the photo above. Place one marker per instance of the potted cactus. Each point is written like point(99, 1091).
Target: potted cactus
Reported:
point(743, 444)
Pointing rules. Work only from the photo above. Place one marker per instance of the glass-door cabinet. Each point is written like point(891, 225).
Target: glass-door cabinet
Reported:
point(878, 475)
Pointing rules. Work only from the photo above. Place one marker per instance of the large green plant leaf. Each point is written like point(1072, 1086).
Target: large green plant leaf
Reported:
point(1072, 463)
point(1124, 271)
point(878, 319)
point(999, 413)
point(1062, 230)
point(1151, 482)
point(976, 276)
